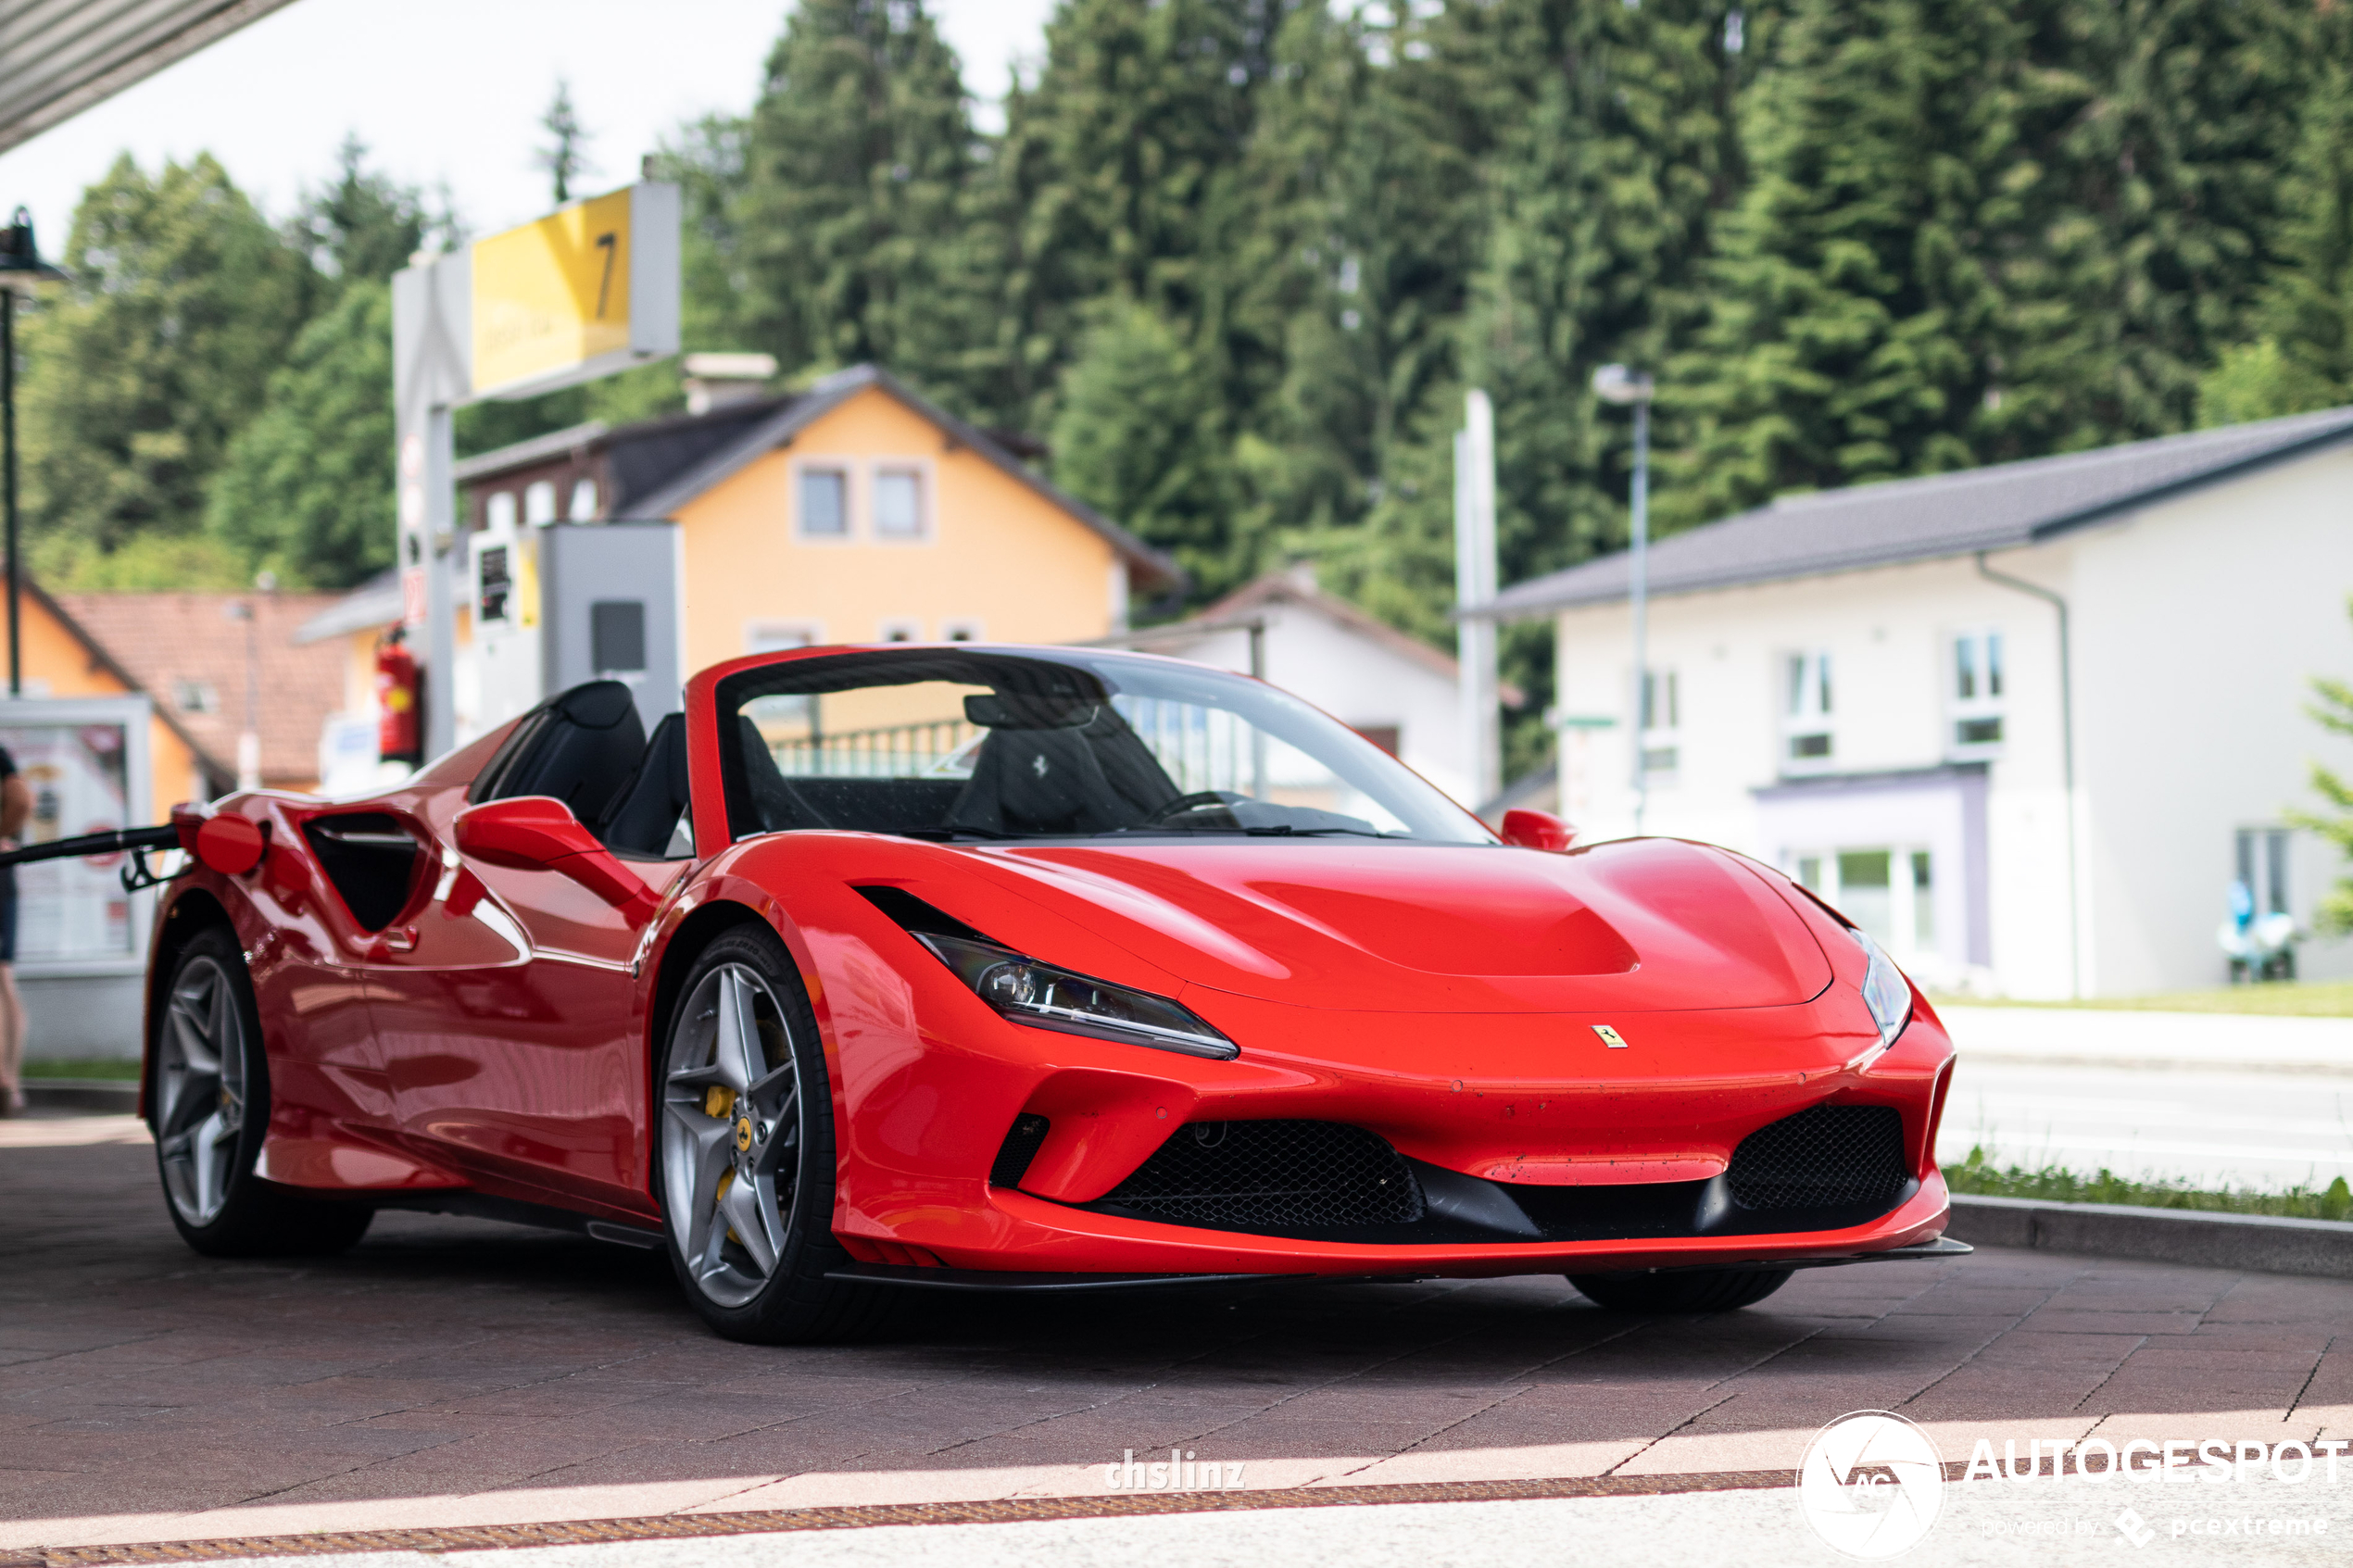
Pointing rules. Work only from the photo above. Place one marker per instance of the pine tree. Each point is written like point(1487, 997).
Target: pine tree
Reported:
point(2303, 358)
point(1860, 324)
point(307, 488)
point(184, 301)
point(364, 224)
point(2165, 196)
point(857, 162)
point(565, 158)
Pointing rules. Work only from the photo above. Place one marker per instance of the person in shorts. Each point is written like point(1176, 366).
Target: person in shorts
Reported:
point(16, 809)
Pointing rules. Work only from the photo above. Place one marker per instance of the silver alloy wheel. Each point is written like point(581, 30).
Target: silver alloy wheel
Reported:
point(730, 1163)
point(200, 1090)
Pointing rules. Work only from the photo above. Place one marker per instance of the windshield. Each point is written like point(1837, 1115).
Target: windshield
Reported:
point(980, 743)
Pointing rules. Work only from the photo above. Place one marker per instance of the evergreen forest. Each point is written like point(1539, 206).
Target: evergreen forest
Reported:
point(1236, 261)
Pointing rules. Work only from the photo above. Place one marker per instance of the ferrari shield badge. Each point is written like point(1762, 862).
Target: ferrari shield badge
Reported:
point(1610, 1038)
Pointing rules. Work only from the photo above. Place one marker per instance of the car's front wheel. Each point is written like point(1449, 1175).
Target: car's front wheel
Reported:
point(1682, 1290)
point(746, 1150)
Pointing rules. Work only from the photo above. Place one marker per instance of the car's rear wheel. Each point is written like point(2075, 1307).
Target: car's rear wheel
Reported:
point(746, 1150)
point(209, 1105)
point(1683, 1290)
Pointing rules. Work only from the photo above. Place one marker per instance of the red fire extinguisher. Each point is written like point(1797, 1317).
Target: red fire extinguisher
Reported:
point(399, 734)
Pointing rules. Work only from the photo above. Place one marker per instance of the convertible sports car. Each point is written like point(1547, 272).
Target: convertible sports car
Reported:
point(981, 967)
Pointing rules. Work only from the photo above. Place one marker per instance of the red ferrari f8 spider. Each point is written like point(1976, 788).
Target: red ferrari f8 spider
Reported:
point(980, 967)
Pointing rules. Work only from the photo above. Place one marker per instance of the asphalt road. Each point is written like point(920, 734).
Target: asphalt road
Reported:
point(2216, 1099)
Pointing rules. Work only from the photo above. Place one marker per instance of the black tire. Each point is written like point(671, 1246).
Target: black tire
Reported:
point(209, 1107)
point(773, 1134)
point(1682, 1290)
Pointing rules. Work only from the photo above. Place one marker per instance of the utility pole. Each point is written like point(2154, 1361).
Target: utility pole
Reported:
point(1616, 383)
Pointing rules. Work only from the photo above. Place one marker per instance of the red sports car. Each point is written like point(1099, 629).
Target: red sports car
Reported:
point(979, 967)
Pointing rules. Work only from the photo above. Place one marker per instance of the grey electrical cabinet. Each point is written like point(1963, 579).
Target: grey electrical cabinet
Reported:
point(575, 602)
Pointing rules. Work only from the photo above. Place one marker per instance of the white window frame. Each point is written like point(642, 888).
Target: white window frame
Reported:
point(1806, 696)
point(1902, 890)
point(907, 629)
point(850, 499)
point(966, 629)
point(1988, 661)
point(539, 503)
point(927, 504)
point(583, 506)
point(1662, 742)
point(498, 511)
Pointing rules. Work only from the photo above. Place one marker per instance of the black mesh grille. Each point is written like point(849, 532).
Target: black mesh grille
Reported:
point(1827, 1157)
point(1272, 1176)
point(1018, 1149)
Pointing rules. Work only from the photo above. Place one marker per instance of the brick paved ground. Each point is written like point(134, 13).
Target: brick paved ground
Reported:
point(449, 1372)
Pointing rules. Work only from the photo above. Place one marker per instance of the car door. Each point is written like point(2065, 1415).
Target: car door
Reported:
point(507, 1009)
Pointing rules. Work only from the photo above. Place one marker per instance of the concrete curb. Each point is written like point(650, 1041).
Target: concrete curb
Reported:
point(83, 1094)
point(2260, 1242)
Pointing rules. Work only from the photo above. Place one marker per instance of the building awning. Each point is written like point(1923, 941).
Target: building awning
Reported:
point(56, 60)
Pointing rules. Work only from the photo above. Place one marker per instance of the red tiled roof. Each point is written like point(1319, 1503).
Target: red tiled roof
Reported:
point(181, 646)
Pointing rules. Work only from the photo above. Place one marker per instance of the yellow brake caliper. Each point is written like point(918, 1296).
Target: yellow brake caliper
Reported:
point(718, 1104)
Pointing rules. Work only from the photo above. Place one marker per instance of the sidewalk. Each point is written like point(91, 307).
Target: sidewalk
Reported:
point(2091, 1037)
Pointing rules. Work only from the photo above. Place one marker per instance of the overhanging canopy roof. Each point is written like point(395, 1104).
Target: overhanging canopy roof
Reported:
point(59, 56)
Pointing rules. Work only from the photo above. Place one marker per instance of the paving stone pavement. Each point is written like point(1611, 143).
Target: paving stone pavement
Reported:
point(451, 1372)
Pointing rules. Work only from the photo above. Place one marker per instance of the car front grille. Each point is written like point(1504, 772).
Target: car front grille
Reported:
point(1830, 1155)
point(1271, 1177)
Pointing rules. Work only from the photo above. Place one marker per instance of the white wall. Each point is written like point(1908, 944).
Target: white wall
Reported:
point(2200, 623)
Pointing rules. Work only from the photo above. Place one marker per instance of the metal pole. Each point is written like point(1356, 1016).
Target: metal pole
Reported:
point(1639, 593)
point(9, 420)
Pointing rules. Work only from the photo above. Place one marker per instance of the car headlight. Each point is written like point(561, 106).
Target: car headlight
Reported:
point(1046, 998)
point(1885, 991)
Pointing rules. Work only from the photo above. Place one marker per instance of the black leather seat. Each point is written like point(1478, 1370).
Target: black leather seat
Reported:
point(1079, 780)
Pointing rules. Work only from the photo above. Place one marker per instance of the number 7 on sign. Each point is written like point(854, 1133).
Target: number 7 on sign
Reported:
point(609, 244)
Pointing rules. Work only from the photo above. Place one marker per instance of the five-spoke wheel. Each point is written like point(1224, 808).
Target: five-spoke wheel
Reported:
point(746, 1153)
point(209, 1105)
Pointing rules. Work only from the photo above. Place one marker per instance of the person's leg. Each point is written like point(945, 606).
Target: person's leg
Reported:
point(11, 1042)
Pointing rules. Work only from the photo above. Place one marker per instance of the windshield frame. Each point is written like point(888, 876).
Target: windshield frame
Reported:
point(820, 671)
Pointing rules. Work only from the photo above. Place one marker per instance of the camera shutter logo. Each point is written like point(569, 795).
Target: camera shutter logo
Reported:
point(1871, 1485)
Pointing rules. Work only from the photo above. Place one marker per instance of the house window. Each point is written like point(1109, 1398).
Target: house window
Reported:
point(1890, 891)
point(1977, 692)
point(899, 504)
point(195, 697)
point(2263, 868)
point(539, 503)
point(583, 501)
point(823, 497)
point(902, 630)
point(1661, 725)
point(776, 636)
point(960, 631)
point(498, 512)
point(1805, 711)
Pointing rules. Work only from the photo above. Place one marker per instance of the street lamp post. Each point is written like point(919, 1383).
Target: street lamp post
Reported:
point(21, 270)
point(1616, 383)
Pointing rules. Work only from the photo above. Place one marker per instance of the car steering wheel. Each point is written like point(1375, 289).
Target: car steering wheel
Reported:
point(1194, 802)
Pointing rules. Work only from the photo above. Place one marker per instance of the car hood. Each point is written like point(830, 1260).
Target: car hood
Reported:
point(1634, 925)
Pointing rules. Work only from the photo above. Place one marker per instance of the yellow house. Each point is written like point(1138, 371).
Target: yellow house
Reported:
point(856, 511)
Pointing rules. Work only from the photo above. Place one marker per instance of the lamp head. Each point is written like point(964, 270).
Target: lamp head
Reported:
point(1616, 383)
point(21, 268)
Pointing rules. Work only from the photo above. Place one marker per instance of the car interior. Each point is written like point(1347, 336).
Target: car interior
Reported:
point(587, 748)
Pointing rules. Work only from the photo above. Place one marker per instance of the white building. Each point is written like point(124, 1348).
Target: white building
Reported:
point(2027, 722)
point(1392, 688)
